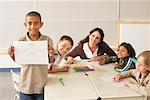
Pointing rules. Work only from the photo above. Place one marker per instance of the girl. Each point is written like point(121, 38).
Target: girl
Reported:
point(141, 74)
point(126, 57)
point(63, 46)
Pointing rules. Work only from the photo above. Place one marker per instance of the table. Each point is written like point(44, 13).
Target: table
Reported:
point(88, 86)
point(76, 87)
point(107, 89)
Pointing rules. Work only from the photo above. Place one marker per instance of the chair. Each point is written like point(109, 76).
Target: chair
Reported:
point(15, 79)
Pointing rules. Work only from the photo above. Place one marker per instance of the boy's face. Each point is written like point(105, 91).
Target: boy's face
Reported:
point(33, 24)
point(140, 66)
point(122, 52)
point(63, 47)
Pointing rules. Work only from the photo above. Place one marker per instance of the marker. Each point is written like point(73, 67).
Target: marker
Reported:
point(61, 81)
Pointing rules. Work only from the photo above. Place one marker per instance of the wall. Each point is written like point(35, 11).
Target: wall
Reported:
point(137, 33)
point(71, 17)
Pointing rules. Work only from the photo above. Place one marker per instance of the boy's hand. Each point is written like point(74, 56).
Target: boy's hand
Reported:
point(55, 69)
point(51, 51)
point(11, 51)
point(51, 54)
point(118, 78)
point(70, 60)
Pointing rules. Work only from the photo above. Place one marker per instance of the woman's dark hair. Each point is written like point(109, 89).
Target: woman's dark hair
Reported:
point(95, 29)
point(65, 37)
point(129, 48)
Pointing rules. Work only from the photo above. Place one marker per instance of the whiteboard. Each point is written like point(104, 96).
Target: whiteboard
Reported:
point(137, 33)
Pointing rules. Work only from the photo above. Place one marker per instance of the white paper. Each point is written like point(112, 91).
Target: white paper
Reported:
point(31, 52)
point(112, 82)
point(107, 78)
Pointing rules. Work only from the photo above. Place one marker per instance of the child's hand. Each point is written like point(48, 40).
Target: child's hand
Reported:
point(66, 67)
point(116, 65)
point(118, 78)
point(51, 51)
point(129, 83)
point(51, 54)
point(55, 69)
point(70, 60)
point(11, 51)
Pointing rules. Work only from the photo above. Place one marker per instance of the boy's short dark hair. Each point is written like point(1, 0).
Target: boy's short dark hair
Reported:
point(65, 37)
point(34, 13)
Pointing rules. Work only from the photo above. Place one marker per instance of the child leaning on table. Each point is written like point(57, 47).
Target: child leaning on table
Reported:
point(63, 47)
point(33, 77)
point(125, 59)
point(141, 75)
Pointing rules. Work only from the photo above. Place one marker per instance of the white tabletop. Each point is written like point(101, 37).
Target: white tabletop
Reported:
point(99, 83)
point(76, 87)
point(106, 88)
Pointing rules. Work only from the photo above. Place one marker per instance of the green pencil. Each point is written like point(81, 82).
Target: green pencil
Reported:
point(61, 81)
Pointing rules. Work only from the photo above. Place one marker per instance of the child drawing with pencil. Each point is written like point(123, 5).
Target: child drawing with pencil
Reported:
point(63, 47)
point(141, 75)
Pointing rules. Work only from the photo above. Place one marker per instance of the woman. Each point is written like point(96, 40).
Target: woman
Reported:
point(92, 47)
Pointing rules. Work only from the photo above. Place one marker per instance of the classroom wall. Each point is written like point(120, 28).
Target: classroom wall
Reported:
point(135, 9)
point(136, 33)
point(71, 17)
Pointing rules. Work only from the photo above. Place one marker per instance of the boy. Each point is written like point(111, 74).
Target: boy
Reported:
point(63, 47)
point(33, 76)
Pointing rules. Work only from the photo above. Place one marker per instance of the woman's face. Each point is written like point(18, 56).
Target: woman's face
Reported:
point(94, 38)
point(122, 52)
point(63, 47)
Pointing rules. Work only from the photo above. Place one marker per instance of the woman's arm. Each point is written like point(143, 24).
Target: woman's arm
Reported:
point(77, 51)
